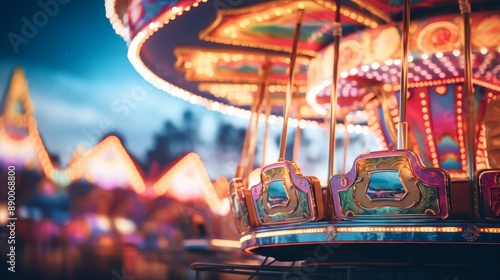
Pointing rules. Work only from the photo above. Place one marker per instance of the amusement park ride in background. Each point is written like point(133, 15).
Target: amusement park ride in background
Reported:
point(427, 88)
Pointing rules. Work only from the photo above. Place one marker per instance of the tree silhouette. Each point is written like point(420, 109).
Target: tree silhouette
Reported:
point(173, 142)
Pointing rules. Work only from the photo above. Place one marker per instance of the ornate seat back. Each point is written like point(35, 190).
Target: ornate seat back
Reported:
point(393, 185)
point(284, 196)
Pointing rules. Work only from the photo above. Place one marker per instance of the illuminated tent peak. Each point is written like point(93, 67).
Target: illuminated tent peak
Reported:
point(106, 162)
point(20, 141)
point(188, 180)
point(17, 108)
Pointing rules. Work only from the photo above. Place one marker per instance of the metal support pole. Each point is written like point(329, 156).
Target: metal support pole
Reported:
point(288, 98)
point(266, 128)
point(468, 91)
point(337, 33)
point(297, 140)
point(470, 142)
point(240, 169)
point(403, 125)
point(258, 111)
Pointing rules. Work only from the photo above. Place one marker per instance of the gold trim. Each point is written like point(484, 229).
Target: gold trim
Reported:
point(407, 180)
point(276, 175)
point(261, 57)
point(486, 85)
point(359, 229)
point(373, 10)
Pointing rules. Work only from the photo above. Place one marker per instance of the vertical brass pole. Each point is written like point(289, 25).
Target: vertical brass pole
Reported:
point(468, 91)
point(403, 125)
point(288, 97)
point(266, 128)
point(240, 169)
point(468, 94)
point(258, 111)
point(337, 33)
point(346, 144)
point(297, 140)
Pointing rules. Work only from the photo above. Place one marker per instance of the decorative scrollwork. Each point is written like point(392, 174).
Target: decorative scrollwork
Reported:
point(331, 233)
point(471, 233)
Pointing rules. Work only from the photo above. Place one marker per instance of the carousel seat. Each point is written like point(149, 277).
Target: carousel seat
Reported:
point(489, 193)
point(390, 185)
point(238, 195)
point(284, 196)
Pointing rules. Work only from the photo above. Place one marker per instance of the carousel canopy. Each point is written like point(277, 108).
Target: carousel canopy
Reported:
point(370, 58)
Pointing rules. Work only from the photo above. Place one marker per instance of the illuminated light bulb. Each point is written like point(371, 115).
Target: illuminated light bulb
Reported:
point(302, 123)
point(357, 129)
point(375, 65)
point(439, 54)
point(154, 25)
point(425, 56)
point(484, 50)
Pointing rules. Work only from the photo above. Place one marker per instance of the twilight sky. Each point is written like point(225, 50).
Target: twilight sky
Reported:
point(81, 82)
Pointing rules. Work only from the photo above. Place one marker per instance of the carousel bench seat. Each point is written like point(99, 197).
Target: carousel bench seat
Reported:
point(285, 197)
point(390, 185)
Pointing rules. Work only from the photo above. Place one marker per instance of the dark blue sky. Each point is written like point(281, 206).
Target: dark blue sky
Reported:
point(81, 82)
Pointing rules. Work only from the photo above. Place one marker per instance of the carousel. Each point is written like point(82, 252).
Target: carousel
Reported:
point(422, 76)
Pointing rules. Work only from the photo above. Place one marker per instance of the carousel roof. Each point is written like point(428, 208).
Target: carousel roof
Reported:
point(370, 58)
